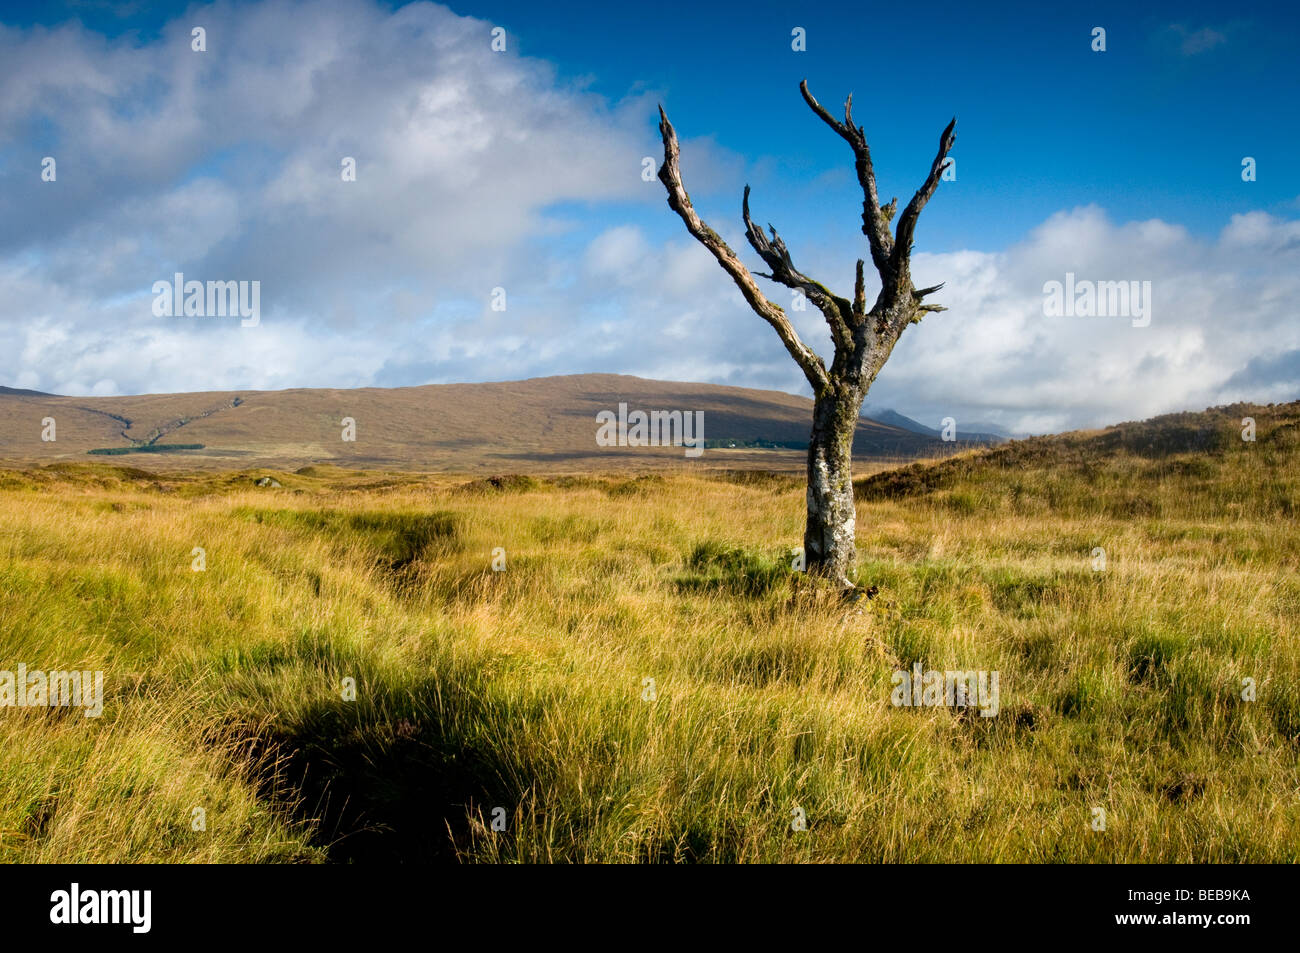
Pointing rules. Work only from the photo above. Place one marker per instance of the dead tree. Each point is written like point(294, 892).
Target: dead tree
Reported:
point(863, 339)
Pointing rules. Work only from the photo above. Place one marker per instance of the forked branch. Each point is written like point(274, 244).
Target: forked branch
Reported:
point(875, 220)
point(889, 253)
point(838, 311)
point(907, 221)
point(680, 202)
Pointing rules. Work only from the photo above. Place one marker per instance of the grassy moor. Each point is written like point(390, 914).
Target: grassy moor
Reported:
point(624, 667)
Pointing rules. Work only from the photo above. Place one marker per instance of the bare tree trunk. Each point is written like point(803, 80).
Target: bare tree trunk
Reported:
point(828, 541)
point(863, 338)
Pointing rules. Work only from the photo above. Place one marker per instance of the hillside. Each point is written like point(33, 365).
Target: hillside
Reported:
point(1166, 465)
point(538, 425)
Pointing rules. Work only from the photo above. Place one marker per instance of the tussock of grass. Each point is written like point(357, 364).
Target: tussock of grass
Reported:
point(510, 483)
point(714, 566)
point(527, 689)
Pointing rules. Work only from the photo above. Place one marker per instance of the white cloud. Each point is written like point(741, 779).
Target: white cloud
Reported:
point(994, 356)
point(225, 165)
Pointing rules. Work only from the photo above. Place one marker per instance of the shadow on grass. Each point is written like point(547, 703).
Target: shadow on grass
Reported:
point(406, 773)
point(714, 567)
point(398, 538)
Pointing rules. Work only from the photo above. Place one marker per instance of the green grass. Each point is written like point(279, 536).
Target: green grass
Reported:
point(526, 689)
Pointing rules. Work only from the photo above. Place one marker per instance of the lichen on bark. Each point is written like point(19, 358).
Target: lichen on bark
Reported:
point(863, 339)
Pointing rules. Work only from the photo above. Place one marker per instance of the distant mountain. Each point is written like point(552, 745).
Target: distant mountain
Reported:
point(542, 424)
point(970, 433)
point(16, 392)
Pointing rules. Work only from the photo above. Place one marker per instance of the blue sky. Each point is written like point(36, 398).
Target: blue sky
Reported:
point(1123, 164)
point(1165, 114)
point(1182, 92)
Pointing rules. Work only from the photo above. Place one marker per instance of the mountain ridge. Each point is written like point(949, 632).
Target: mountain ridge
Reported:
point(981, 432)
point(536, 424)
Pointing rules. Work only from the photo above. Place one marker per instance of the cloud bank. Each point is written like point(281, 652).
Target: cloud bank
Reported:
point(479, 170)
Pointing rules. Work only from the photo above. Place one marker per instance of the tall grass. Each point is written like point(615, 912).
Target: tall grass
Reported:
point(526, 690)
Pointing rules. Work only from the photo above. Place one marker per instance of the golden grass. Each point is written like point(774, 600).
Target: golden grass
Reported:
point(523, 689)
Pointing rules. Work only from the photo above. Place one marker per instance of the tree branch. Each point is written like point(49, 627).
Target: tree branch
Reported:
point(680, 202)
point(907, 222)
point(837, 311)
point(875, 220)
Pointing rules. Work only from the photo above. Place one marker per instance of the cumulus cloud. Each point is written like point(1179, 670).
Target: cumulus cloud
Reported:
point(1217, 306)
point(1222, 324)
point(470, 165)
point(226, 164)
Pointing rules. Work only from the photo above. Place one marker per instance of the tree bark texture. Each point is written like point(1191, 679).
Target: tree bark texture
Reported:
point(863, 339)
